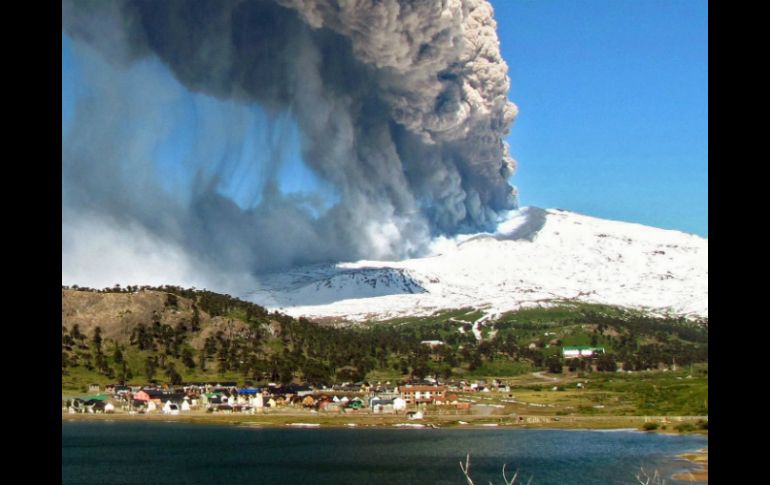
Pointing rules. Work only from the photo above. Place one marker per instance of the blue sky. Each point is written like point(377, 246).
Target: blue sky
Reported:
point(613, 122)
point(613, 100)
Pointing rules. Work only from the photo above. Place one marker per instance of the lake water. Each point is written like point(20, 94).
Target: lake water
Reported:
point(178, 453)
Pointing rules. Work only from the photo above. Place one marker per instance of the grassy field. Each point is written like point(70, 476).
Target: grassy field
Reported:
point(651, 393)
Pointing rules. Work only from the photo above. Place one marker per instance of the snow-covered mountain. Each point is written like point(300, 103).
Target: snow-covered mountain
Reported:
point(536, 257)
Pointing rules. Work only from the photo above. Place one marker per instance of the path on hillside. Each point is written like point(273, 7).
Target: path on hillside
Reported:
point(540, 375)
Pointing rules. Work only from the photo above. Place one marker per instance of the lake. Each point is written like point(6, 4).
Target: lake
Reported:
point(180, 453)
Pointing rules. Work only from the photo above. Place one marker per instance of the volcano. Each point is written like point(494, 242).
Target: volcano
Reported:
point(537, 257)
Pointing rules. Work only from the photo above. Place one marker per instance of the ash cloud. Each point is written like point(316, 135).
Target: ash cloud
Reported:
point(401, 106)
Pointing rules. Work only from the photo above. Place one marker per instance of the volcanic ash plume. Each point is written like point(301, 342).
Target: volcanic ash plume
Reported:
point(401, 108)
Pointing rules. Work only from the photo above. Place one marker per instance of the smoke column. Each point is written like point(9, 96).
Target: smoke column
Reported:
point(400, 108)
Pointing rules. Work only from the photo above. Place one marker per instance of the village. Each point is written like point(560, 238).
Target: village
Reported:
point(578, 394)
point(412, 399)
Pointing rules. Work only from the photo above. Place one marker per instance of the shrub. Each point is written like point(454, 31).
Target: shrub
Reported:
point(685, 427)
point(650, 426)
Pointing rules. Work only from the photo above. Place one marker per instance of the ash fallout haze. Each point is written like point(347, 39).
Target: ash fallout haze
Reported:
point(218, 143)
point(400, 110)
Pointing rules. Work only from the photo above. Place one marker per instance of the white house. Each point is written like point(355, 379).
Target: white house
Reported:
point(580, 351)
point(432, 343)
point(170, 408)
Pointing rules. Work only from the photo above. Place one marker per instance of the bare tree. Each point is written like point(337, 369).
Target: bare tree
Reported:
point(645, 478)
point(506, 481)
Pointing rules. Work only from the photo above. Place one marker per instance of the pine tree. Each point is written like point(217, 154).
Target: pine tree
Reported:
point(196, 319)
point(150, 367)
point(187, 358)
point(117, 355)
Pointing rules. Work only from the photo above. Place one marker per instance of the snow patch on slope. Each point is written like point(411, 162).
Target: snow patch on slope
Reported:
point(536, 257)
point(325, 284)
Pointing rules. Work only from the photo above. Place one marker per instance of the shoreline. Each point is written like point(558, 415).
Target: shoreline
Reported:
point(698, 457)
point(361, 420)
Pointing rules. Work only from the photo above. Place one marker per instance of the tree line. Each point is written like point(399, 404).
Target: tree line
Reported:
point(280, 348)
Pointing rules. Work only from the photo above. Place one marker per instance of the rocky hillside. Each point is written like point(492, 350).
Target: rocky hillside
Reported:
point(119, 314)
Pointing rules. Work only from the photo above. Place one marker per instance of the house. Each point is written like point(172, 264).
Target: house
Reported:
point(329, 406)
point(379, 405)
point(384, 389)
point(248, 391)
point(581, 351)
point(159, 397)
point(422, 394)
point(95, 404)
point(120, 390)
point(298, 390)
point(432, 343)
point(214, 398)
point(171, 408)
